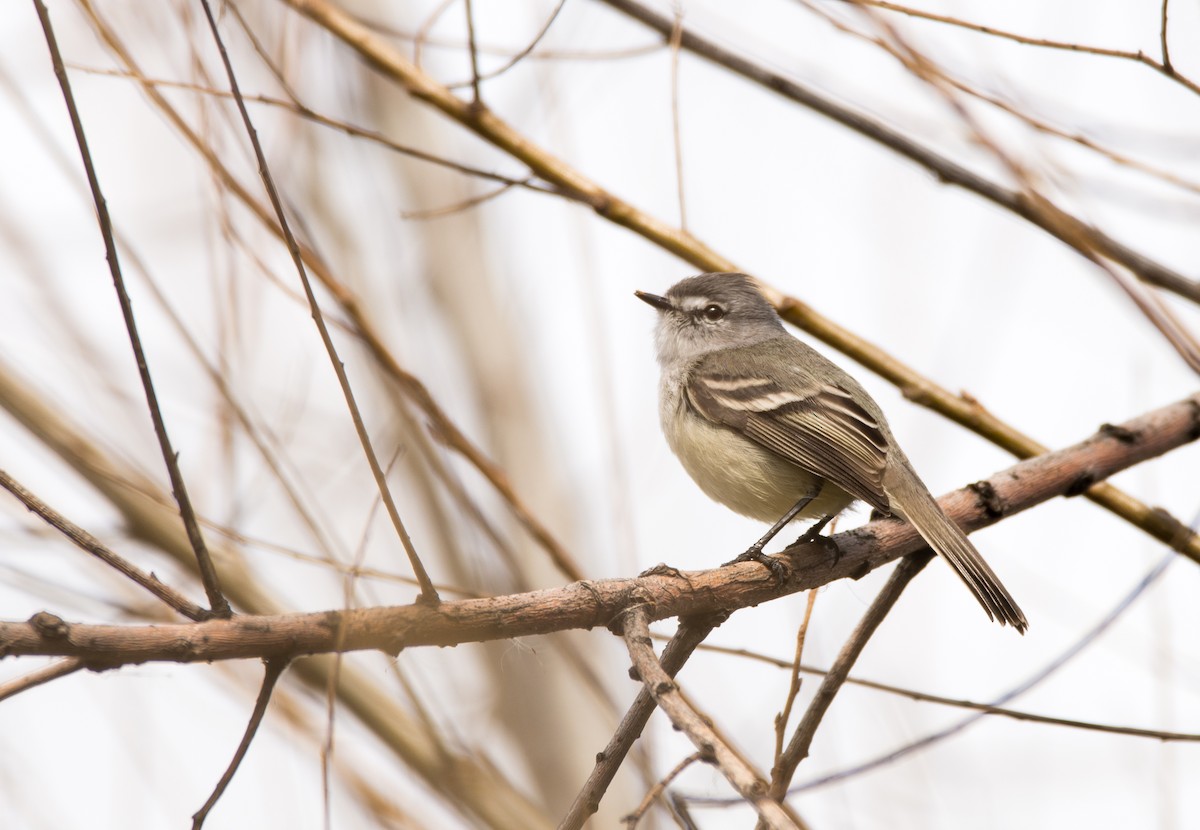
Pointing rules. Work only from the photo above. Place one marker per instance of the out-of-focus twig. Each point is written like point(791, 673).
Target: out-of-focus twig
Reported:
point(1164, 67)
point(443, 427)
point(959, 703)
point(1056, 222)
point(53, 671)
point(781, 720)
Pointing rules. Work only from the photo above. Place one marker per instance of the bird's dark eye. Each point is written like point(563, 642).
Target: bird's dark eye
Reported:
point(713, 312)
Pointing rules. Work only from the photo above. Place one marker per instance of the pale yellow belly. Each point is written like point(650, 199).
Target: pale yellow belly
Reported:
point(746, 477)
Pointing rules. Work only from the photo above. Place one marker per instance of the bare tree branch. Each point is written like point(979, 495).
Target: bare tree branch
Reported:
point(797, 748)
point(916, 387)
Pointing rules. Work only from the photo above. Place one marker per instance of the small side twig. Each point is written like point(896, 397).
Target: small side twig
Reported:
point(737, 771)
point(797, 748)
point(57, 669)
point(429, 593)
point(1162, 36)
point(781, 720)
point(208, 573)
point(95, 547)
point(476, 100)
point(634, 818)
point(676, 44)
point(274, 668)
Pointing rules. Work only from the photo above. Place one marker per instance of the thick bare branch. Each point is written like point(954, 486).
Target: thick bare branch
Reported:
point(1069, 471)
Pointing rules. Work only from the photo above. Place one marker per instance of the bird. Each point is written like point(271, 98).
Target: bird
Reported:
point(772, 429)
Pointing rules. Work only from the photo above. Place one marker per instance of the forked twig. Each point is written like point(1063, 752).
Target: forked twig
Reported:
point(692, 631)
point(737, 771)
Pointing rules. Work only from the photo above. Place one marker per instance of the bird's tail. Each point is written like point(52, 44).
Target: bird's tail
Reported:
point(910, 498)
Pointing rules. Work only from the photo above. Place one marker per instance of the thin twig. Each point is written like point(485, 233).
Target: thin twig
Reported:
point(634, 818)
point(429, 593)
point(473, 52)
point(522, 54)
point(1058, 223)
point(1139, 56)
point(273, 668)
point(960, 703)
point(676, 127)
point(797, 748)
point(53, 671)
point(781, 720)
point(737, 771)
point(86, 541)
point(208, 574)
point(1162, 36)
point(691, 633)
point(443, 427)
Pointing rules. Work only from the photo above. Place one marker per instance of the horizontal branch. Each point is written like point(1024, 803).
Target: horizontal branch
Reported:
point(590, 604)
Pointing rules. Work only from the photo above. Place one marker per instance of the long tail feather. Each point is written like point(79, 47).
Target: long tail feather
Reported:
point(910, 498)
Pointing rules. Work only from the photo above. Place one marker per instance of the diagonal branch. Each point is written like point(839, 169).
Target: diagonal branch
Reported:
point(94, 546)
point(692, 631)
point(411, 386)
point(1058, 223)
point(835, 678)
point(274, 669)
point(429, 593)
point(208, 574)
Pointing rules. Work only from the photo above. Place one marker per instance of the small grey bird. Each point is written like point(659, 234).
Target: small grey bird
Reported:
point(773, 430)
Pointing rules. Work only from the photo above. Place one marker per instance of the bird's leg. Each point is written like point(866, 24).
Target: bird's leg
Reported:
point(754, 553)
point(813, 534)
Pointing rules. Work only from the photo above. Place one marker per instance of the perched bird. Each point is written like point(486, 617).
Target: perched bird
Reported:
point(773, 430)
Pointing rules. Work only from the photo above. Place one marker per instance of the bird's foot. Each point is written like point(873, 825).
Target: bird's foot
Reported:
point(779, 571)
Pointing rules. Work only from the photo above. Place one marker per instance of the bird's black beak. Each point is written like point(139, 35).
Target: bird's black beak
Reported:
point(661, 303)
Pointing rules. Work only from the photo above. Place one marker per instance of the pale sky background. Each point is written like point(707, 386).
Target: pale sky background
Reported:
point(969, 295)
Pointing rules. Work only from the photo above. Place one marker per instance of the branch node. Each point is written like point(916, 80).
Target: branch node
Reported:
point(50, 626)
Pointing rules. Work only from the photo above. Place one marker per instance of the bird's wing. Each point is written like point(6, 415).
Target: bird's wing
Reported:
point(815, 425)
